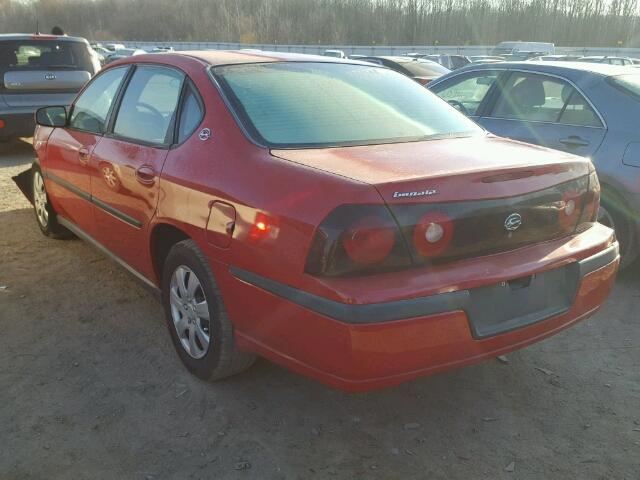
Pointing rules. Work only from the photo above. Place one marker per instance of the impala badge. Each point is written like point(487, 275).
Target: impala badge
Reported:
point(513, 222)
point(422, 193)
point(205, 134)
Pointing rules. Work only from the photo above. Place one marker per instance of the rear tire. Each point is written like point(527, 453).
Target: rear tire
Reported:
point(613, 214)
point(198, 323)
point(45, 214)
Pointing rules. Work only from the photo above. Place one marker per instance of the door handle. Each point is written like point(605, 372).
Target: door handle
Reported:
point(574, 141)
point(146, 175)
point(83, 155)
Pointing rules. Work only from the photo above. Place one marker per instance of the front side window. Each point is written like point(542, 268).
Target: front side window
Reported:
point(92, 107)
point(149, 104)
point(297, 104)
point(538, 98)
point(467, 92)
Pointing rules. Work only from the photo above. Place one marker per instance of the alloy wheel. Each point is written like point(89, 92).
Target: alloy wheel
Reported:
point(190, 312)
point(40, 199)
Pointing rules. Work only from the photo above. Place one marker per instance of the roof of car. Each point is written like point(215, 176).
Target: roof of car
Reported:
point(40, 36)
point(396, 58)
point(597, 68)
point(233, 57)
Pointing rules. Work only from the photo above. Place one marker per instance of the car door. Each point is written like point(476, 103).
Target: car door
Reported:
point(69, 149)
point(545, 110)
point(126, 164)
point(467, 92)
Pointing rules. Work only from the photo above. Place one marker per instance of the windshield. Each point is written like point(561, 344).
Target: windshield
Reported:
point(327, 104)
point(41, 54)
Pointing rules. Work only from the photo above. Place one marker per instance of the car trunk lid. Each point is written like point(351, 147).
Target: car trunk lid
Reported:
point(485, 194)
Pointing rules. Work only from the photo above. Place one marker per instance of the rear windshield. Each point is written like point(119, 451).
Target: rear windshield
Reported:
point(420, 68)
point(44, 54)
point(628, 83)
point(326, 104)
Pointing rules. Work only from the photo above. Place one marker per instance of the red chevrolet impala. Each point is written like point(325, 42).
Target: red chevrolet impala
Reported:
point(332, 216)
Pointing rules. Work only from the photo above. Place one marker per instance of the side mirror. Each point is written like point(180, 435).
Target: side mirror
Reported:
point(51, 116)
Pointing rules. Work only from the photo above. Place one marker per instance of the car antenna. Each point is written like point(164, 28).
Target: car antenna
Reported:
point(37, 22)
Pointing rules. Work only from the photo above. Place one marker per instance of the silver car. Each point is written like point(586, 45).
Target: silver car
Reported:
point(36, 71)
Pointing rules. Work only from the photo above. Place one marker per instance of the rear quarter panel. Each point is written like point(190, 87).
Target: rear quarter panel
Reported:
point(227, 167)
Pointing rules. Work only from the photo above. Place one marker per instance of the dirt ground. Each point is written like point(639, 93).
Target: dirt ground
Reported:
point(90, 388)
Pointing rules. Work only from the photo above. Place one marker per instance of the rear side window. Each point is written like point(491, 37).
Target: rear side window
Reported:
point(190, 116)
point(45, 54)
point(539, 98)
point(149, 105)
point(92, 107)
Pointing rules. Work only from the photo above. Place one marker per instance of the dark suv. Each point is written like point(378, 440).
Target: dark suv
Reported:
point(39, 70)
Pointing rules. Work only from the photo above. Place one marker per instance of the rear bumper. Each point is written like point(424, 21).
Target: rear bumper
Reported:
point(17, 124)
point(362, 347)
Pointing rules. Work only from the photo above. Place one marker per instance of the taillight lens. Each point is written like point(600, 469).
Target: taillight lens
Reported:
point(356, 239)
point(433, 234)
point(369, 240)
point(570, 209)
point(591, 202)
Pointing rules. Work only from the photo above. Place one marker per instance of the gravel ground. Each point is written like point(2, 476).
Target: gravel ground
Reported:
point(90, 388)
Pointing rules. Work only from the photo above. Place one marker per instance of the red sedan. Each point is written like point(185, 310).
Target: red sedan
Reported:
point(332, 216)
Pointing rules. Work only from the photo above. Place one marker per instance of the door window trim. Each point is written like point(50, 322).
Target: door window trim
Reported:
point(114, 114)
point(509, 71)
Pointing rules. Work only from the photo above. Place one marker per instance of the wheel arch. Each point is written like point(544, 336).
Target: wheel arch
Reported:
point(163, 236)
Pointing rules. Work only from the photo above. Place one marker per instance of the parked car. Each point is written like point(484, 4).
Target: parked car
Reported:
point(586, 109)
point(504, 48)
point(162, 49)
point(415, 55)
point(356, 56)
point(452, 62)
point(123, 53)
point(556, 58)
point(520, 56)
point(334, 53)
point(422, 71)
point(485, 59)
point(624, 61)
point(114, 46)
point(101, 53)
point(37, 70)
point(363, 237)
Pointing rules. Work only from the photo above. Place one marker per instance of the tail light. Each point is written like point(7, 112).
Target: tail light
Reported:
point(357, 239)
point(570, 209)
point(433, 234)
point(361, 239)
point(591, 202)
point(369, 240)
